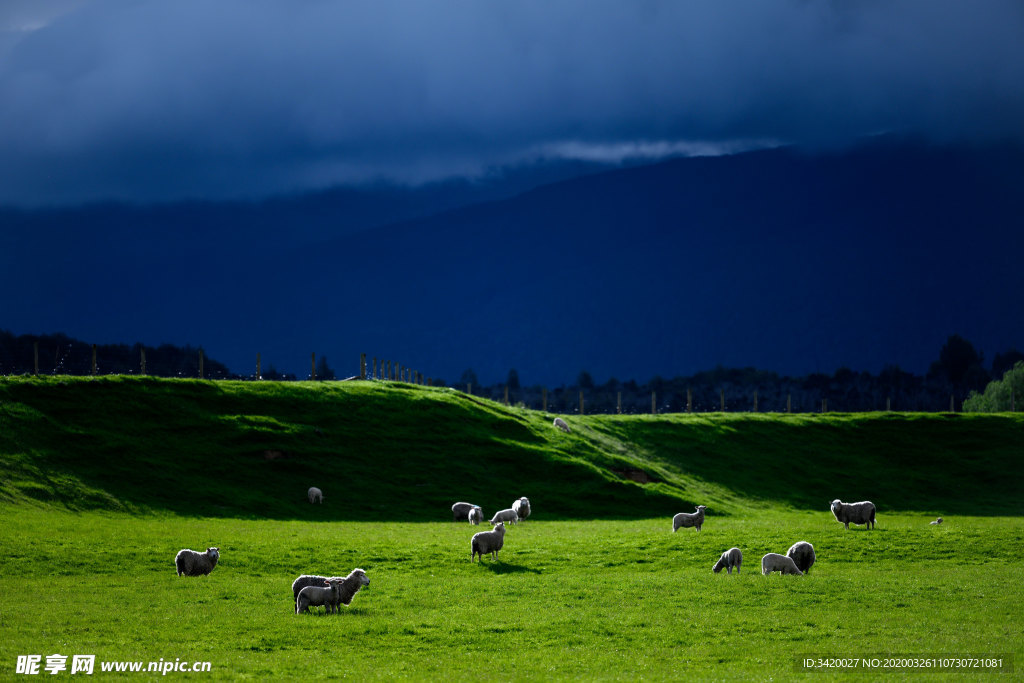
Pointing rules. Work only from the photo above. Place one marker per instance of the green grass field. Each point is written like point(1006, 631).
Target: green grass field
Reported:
point(104, 480)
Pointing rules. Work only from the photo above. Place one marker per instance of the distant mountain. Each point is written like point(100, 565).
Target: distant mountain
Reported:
point(776, 259)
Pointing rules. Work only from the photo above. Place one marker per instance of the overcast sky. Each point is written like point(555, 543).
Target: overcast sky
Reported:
point(158, 100)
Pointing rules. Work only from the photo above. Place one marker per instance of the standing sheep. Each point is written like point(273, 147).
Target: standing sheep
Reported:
point(773, 562)
point(732, 557)
point(316, 596)
point(688, 519)
point(315, 495)
point(802, 554)
point(522, 507)
point(854, 513)
point(506, 515)
point(561, 424)
point(460, 511)
point(348, 586)
point(476, 515)
point(192, 563)
point(487, 542)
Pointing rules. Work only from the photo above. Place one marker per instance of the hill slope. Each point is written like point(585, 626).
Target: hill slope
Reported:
point(383, 451)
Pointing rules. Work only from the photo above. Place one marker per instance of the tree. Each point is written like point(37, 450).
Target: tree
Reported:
point(513, 380)
point(323, 371)
point(1000, 395)
point(960, 364)
point(1005, 361)
point(468, 377)
point(585, 381)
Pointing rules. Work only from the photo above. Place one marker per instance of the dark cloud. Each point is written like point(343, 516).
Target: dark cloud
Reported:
point(153, 100)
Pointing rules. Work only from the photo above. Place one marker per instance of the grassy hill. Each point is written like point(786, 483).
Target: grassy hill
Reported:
point(397, 451)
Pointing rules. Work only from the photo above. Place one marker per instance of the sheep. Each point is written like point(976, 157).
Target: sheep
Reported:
point(348, 586)
point(522, 507)
point(561, 424)
point(802, 553)
point(733, 557)
point(460, 511)
point(937, 521)
point(315, 596)
point(773, 562)
point(476, 515)
point(487, 542)
point(193, 563)
point(688, 519)
point(315, 495)
point(506, 515)
point(854, 513)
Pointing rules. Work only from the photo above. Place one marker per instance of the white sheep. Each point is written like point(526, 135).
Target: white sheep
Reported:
point(854, 513)
point(802, 554)
point(460, 511)
point(316, 596)
point(487, 542)
point(561, 424)
point(522, 507)
point(506, 515)
point(688, 519)
point(315, 495)
point(732, 557)
point(349, 585)
point(773, 562)
point(937, 521)
point(476, 515)
point(193, 563)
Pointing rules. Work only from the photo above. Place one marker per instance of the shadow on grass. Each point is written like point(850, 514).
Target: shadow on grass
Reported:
point(500, 567)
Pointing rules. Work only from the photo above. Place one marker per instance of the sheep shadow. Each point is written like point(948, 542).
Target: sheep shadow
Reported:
point(500, 567)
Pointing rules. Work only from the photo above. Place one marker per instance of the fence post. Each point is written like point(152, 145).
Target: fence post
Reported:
point(362, 366)
point(789, 403)
point(200, 363)
point(888, 403)
point(654, 403)
point(544, 399)
point(618, 404)
point(142, 363)
point(35, 358)
point(469, 388)
point(94, 360)
point(824, 405)
point(506, 394)
point(689, 400)
point(581, 401)
point(312, 366)
point(259, 368)
point(721, 398)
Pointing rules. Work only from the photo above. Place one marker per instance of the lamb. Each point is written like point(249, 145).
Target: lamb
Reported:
point(315, 596)
point(315, 495)
point(348, 586)
point(688, 519)
point(937, 521)
point(476, 515)
point(193, 563)
point(773, 562)
point(732, 557)
point(487, 542)
point(854, 513)
point(460, 511)
point(561, 424)
point(522, 507)
point(506, 515)
point(802, 553)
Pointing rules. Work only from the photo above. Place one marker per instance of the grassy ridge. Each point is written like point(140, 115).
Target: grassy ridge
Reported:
point(396, 451)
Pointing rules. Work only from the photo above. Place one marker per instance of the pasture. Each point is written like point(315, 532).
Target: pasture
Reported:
point(100, 477)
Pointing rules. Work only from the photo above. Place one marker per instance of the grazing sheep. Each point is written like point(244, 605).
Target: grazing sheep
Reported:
point(773, 562)
point(522, 507)
point(476, 515)
point(854, 513)
point(561, 424)
point(316, 596)
point(732, 557)
point(348, 586)
point(802, 553)
point(192, 563)
point(487, 542)
point(460, 511)
point(937, 521)
point(688, 519)
point(315, 495)
point(506, 515)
